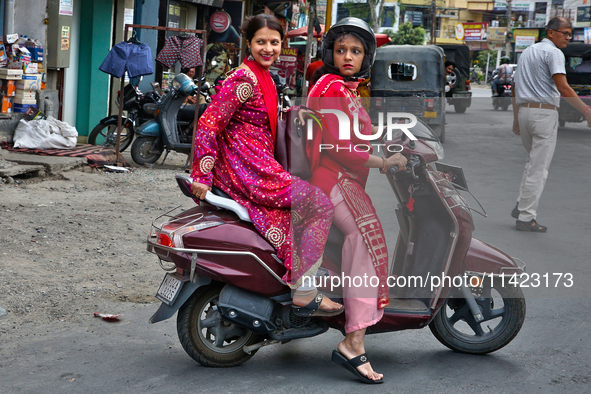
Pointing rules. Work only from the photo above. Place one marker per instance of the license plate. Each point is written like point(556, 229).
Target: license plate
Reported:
point(461, 95)
point(169, 289)
point(430, 114)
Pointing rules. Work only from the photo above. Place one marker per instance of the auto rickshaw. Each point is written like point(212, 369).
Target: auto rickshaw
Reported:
point(460, 95)
point(411, 79)
point(578, 77)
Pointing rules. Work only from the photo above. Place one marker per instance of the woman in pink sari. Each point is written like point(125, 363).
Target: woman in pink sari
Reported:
point(234, 151)
point(349, 50)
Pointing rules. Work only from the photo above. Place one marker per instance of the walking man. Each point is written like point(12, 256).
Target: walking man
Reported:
point(540, 80)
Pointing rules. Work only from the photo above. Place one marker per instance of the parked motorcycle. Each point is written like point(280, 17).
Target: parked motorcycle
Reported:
point(224, 279)
point(170, 129)
point(140, 108)
point(503, 97)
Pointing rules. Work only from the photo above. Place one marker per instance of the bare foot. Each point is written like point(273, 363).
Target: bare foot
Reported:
point(353, 350)
point(327, 304)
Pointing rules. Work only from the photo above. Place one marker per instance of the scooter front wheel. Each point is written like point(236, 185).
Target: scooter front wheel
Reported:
point(207, 337)
point(503, 308)
point(143, 150)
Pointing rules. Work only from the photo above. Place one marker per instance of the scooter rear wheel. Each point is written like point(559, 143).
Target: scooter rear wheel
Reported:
point(143, 151)
point(503, 309)
point(207, 337)
point(105, 134)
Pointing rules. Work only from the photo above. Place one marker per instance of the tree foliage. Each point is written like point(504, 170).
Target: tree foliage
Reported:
point(371, 11)
point(407, 35)
point(482, 55)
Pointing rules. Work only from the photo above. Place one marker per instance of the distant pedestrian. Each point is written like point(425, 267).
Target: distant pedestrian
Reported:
point(540, 80)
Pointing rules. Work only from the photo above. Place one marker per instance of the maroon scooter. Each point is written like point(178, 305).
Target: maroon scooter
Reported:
point(224, 279)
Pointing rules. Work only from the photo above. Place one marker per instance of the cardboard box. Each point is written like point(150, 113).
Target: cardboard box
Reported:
point(25, 94)
point(3, 57)
point(21, 108)
point(24, 55)
point(16, 65)
point(30, 68)
point(7, 73)
point(6, 104)
point(29, 82)
point(25, 101)
point(7, 87)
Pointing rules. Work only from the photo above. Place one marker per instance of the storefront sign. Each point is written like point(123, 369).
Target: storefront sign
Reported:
point(286, 66)
point(496, 34)
point(477, 46)
point(501, 5)
point(583, 14)
point(415, 17)
point(474, 31)
point(522, 42)
point(459, 31)
point(220, 21)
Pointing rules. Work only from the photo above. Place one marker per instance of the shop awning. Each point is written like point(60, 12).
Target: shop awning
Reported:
point(303, 32)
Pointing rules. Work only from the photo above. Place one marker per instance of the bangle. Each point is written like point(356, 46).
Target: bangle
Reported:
point(586, 109)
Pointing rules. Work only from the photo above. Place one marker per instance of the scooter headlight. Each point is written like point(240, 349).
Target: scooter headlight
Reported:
point(176, 85)
point(437, 147)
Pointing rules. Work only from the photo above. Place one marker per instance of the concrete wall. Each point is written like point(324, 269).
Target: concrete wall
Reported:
point(28, 19)
point(71, 74)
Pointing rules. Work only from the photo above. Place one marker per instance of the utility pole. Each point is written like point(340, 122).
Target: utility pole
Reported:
point(311, 19)
point(433, 20)
point(507, 33)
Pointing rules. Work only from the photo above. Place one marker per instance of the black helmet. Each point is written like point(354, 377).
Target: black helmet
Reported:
point(359, 28)
point(504, 60)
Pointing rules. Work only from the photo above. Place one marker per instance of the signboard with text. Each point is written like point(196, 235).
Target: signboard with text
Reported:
point(285, 66)
point(475, 31)
point(501, 5)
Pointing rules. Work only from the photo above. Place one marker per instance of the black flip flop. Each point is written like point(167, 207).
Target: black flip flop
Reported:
point(532, 225)
point(352, 364)
point(313, 308)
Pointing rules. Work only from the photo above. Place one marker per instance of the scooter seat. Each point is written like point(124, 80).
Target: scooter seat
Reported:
point(220, 192)
point(227, 203)
point(215, 197)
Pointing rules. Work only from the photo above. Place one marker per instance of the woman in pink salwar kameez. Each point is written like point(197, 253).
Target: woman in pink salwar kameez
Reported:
point(234, 151)
point(349, 49)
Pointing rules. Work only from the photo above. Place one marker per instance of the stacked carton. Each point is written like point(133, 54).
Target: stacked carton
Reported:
point(22, 77)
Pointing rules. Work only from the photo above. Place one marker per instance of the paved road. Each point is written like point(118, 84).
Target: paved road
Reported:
point(551, 354)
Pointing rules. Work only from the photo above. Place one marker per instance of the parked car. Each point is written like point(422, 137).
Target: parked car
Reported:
point(411, 79)
point(460, 95)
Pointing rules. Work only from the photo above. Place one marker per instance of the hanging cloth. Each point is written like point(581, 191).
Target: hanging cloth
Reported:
point(187, 49)
point(269, 92)
point(136, 59)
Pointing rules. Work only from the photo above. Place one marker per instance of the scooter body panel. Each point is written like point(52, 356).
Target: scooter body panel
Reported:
point(246, 260)
point(149, 129)
point(485, 258)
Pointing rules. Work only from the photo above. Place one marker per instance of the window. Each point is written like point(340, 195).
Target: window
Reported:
point(403, 72)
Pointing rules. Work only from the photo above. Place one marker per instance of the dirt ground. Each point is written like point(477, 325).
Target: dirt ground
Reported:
point(75, 244)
